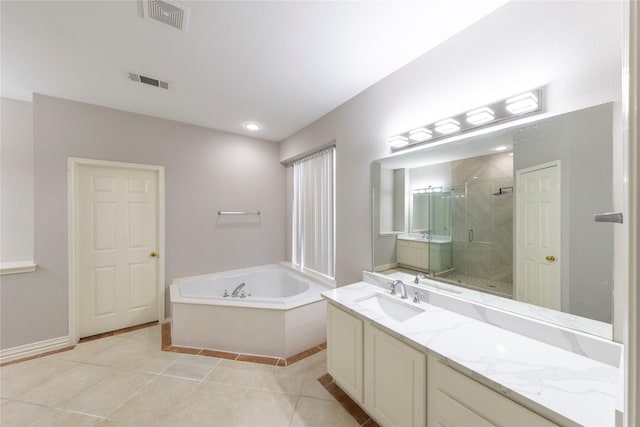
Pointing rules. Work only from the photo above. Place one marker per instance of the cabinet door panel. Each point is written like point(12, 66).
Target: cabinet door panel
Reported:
point(395, 374)
point(407, 255)
point(422, 256)
point(344, 351)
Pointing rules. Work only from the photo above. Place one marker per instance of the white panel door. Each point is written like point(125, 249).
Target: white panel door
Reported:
point(538, 236)
point(117, 244)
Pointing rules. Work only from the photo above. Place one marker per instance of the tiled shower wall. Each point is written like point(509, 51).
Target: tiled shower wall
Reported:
point(490, 253)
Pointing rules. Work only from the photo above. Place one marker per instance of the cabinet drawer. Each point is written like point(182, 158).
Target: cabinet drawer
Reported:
point(454, 399)
point(411, 244)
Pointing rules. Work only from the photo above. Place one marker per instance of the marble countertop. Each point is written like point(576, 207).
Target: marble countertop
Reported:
point(566, 387)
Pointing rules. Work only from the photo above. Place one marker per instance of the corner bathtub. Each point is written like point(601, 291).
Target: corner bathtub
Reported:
point(282, 315)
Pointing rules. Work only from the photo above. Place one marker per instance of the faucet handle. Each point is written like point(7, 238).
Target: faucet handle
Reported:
point(417, 297)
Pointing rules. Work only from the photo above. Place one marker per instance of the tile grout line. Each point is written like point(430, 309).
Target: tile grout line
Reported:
point(134, 394)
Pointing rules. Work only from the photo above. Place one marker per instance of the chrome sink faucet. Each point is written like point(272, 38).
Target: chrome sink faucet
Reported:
point(418, 277)
point(403, 288)
point(235, 292)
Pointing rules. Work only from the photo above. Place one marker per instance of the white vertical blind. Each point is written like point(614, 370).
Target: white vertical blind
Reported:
point(314, 212)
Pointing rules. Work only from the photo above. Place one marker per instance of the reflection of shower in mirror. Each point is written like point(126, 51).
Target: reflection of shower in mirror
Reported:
point(503, 190)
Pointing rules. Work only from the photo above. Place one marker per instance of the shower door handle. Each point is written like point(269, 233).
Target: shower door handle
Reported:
point(471, 234)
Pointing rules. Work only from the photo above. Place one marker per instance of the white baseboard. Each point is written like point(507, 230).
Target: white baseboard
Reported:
point(34, 349)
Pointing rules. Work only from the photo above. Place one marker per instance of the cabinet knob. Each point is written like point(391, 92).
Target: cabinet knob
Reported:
point(153, 254)
point(550, 258)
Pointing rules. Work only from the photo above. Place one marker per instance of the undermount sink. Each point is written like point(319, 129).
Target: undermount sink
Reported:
point(391, 307)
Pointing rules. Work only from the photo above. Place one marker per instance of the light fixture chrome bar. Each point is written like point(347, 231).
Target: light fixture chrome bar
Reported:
point(238, 213)
point(510, 108)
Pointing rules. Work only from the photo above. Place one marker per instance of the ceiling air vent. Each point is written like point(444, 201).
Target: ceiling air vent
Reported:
point(168, 12)
point(148, 80)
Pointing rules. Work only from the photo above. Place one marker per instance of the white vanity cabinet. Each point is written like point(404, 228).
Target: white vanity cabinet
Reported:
point(395, 380)
point(384, 375)
point(344, 351)
point(413, 254)
point(455, 400)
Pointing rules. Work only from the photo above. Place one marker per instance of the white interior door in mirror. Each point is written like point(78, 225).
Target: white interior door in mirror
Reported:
point(118, 243)
point(538, 235)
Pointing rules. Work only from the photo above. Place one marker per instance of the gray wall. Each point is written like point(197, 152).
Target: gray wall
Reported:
point(16, 180)
point(571, 48)
point(206, 171)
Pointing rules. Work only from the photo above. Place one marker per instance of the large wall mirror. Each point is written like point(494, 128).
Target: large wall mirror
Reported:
point(508, 213)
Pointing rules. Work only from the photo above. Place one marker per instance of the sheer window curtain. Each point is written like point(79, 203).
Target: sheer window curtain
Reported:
point(314, 212)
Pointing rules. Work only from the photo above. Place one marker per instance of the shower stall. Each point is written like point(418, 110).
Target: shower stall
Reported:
point(481, 216)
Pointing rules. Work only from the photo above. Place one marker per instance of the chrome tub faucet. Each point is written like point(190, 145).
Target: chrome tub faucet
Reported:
point(236, 291)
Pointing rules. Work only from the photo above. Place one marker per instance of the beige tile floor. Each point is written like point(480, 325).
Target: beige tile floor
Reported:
point(126, 380)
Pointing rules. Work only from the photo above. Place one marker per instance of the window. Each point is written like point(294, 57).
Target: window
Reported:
point(314, 212)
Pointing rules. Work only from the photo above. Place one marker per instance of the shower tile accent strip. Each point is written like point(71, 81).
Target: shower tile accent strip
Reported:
point(273, 361)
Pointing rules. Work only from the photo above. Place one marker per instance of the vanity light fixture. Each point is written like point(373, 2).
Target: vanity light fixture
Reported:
point(252, 126)
point(447, 126)
point(522, 103)
point(420, 134)
point(398, 141)
point(507, 109)
point(427, 190)
point(480, 116)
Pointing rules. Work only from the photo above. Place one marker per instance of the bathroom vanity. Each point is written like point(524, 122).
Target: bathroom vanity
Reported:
point(423, 363)
point(424, 254)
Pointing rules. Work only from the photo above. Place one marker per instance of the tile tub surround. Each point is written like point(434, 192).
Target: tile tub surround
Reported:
point(563, 386)
point(126, 380)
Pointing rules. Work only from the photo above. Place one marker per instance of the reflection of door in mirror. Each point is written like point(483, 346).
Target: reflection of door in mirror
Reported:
point(537, 236)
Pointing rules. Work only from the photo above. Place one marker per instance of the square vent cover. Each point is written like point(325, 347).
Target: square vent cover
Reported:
point(168, 12)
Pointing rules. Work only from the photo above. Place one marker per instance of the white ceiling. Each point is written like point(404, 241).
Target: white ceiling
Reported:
point(282, 64)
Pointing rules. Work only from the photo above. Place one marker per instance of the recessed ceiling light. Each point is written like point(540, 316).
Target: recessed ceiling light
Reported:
point(252, 126)
point(500, 148)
